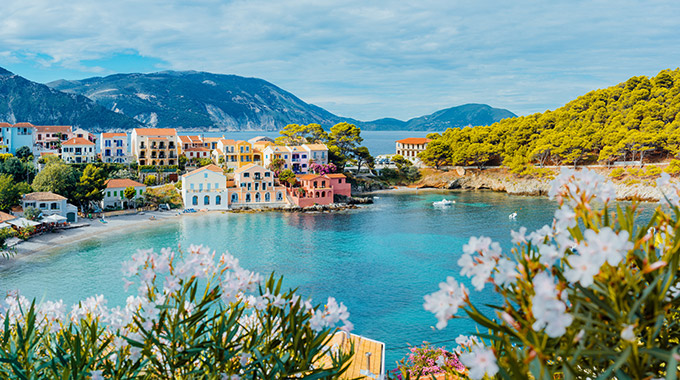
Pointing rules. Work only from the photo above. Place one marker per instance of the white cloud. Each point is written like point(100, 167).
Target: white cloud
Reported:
point(365, 59)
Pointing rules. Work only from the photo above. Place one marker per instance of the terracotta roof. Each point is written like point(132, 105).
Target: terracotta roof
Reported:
point(297, 149)
point(190, 139)
point(109, 135)
point(212, 139)
point(43, 196)
point(306, 177)
point(77, 141)
point(197, 149)
point(244, 168)
point(228, 142)
point(16, 209)
point(5, 216)
point(315, 146)
point(121, 182)
point(242, 142)
point(414, 140)
point(156, 131)
point(53, 128)
point(24, 125)
point(5, 125)
point(211, 167)
point(335, 175)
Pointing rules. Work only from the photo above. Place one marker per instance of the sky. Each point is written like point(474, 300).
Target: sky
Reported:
point(365, 59)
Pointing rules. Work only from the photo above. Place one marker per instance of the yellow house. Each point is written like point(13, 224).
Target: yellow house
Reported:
point(244, 152)
point(155, 146)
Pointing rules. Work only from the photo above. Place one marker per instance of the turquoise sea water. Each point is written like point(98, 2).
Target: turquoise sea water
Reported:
point(379, 260)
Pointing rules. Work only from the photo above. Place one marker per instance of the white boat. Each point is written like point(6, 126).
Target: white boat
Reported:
point(512, 216)
point(444, 202)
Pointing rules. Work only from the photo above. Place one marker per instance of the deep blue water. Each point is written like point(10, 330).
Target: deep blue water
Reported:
point(379, 260)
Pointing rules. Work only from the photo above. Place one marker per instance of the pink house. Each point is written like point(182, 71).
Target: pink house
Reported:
point(318, 189)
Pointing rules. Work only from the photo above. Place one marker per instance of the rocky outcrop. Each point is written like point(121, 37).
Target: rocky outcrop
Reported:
point(501, 180)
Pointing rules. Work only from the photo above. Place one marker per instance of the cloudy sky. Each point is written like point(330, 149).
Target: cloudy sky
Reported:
point(364, 59)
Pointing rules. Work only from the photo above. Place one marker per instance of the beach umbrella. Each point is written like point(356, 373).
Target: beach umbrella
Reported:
point(23, 222)
point(54, 218)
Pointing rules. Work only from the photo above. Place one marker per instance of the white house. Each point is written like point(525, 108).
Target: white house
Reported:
point(205, 188)
point(317, 153)
point(114, 148)
point(114, 193)
point(49, 204)
point(78, 150)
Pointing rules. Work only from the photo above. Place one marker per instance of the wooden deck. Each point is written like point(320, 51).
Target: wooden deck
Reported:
point(360, 361)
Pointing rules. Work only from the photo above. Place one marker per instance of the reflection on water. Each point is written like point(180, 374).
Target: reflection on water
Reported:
point(379, 260)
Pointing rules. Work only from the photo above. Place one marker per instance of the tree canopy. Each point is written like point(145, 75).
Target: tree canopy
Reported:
point(57, 177)
point(631, 121)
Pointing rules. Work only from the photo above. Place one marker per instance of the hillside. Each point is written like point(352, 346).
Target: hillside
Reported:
point(637, 120)
point(24, 101)
point(198, 100)
point(454, 117)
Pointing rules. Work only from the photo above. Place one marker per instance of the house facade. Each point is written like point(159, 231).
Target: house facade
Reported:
point(114, 193)
point(296, 158)
point(410, 147)
point(319, 189)
point(226, 151)
point(197, 153)
point(83, 134)
point(49, 204)
point(187, 142)
point(114, 148)
point(13, 137)
point(273, 152)
point(256, 187)
point(317, 153)
point(155, 146)
point(78, 151)
point(205, 188)
point(50, 137)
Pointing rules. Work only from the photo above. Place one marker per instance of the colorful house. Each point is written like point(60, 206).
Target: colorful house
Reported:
point(256, 187)
point(114, 148)
point(49, 204)
point(319, 189)
point(205, 188)
point(50, 137)
point(187, 142)
point(78, 151)
point(317, 153)
point(277, 152)
point(114, 193)
point(155, 146)
point(410, 147)
point(13, 137)
point(198, 152)
point(226, 149)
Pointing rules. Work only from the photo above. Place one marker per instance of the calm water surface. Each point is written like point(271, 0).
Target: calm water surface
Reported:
point(379, 260)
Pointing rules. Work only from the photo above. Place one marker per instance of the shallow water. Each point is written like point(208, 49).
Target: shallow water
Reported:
point(379, 260)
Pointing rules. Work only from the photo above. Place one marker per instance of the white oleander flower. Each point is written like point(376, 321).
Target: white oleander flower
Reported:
point(519, 237)
point(480, 362)
point(445, 302)
point(565, 217)
point(506, 272)
point(606, 245)
point(548, 309)
point(628, 333)
point(582, 269)
point(549, 254)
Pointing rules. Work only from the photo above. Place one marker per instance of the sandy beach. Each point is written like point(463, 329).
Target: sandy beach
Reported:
point(91, 229)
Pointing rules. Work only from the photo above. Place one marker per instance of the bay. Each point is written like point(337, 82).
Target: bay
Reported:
point(380, 260)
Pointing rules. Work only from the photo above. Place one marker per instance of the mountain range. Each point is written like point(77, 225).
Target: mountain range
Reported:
point(190, 100)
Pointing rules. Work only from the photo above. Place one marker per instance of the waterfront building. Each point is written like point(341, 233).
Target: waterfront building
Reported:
point(49, 204)
point(205, 188)
point(114, 193)
point(317, 153)
point(277, 151)
point(155, 146)
point(114, 148)
point(319, 189)
point(411, 146)
point(256, 187)
point(13, 137)
point(78, 151)
point(187, 142)
point(50, 137)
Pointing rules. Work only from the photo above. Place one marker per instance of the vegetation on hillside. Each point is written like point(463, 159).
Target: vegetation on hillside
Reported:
point(636, 120)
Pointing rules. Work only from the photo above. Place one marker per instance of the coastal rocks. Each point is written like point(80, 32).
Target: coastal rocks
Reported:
point(339, 198)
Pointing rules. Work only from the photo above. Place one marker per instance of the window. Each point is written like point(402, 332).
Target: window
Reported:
point(218, 200)
point(267, 197)
point(247, 197)
point(217, 185)
point(140, 191)
point(257, 197)
point(54, 206)
point(267, 174)
point(107, 143)
point(323, 194)
point(194, 200)
point(248, 186)
point(234, 198)
point(200, 187)
point(257, 185)
point(264, 185)
point(205, 175)
point(246, 175)
point(108, 193)
point(115, 193)
point(279, 196)
point(208, 188)
point(206, 200)
point(191, 186)
point(323, 183)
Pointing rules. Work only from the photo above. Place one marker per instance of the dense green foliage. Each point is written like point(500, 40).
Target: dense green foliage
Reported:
point(57, 177)
point(632, 121)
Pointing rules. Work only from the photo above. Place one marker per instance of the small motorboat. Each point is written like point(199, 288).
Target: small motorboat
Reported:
point(512, 216)
point(443, 203)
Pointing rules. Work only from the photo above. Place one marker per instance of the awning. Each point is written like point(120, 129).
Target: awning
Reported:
point(4, 225)
point(54, 219)
point(23, 222)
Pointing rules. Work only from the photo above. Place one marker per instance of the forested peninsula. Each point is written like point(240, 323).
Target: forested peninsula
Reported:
point(637, 120)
